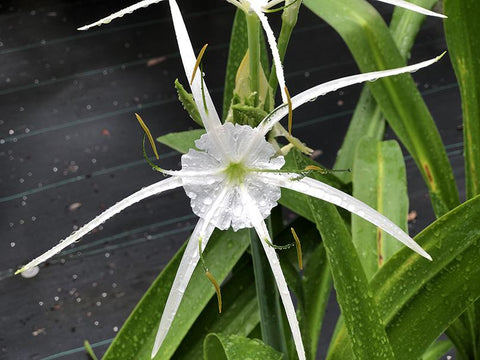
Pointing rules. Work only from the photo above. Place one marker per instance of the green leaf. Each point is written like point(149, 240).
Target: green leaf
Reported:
point(462, 31)
point(368, 119)
point(181, 141)
point(356, 302)
point(238, 48)
point(239, 314)
point(316, 285)
point(379, 180)
point(268, 299)
point(418, 299)
point(406, 24)
point(135, 339)
point(313, 286)
point(234, 347)
point(373, 48)
point(188, 103)
point(437, 350)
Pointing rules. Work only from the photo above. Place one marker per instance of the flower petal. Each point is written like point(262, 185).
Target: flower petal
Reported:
point(328, 193)
point(261, 229)
point(203, 231)
point(322, 89)
point(413, 7)
point(157, 188)
point(118, 14)
point(273, 47)
point(210, 117)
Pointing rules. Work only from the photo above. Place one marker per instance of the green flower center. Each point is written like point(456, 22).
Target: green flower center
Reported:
point(236, 172)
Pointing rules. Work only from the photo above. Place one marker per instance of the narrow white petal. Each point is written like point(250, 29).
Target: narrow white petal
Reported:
point(118, 14)
point(189, 261)
point(272, 42)
point(264, 236)
point(322, 89)
point(272, 3)
point(210, 118)
point(328, 193)
point(413, 7)
point(157, 188)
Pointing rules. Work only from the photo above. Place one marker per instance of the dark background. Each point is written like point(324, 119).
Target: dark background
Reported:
point(70, 147)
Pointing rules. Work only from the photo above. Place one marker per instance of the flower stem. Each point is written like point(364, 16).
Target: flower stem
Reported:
point(268, 299)
point(253, 28)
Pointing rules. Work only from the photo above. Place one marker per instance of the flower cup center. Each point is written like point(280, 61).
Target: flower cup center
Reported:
point(236, 172)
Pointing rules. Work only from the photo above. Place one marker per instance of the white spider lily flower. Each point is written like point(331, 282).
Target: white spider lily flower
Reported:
point(234, 180)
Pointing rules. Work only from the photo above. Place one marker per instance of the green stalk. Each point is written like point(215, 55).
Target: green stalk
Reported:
point(253, 30)
point(268, 299)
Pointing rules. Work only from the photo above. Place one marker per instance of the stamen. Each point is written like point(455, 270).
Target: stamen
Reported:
point(299, 248)
point(323, 170)
point(279, 8)
point(214, 282)
point(290, 111)
point(154, 167)
point(197, 63)
point(210, 277)
point(149, 134)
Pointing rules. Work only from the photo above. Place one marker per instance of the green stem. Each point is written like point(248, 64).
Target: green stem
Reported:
point(253, 29)
point(268, 299)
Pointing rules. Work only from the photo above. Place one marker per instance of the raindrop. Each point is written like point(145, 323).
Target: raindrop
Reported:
point(30, 273)
point(12, 244)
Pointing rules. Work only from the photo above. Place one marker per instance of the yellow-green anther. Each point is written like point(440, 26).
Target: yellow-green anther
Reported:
point(214, 282)
point(20, 270)
point(149, 135)
point(316, 168)
point(197, 63)
point(299, 248)
point(290, 111)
